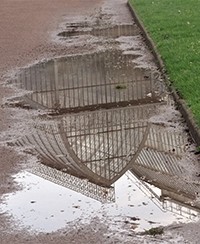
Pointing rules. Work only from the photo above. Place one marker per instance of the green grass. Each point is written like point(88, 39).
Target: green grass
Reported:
point(174, 26)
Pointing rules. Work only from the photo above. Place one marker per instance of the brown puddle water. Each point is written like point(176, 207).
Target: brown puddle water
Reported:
point(96, 139)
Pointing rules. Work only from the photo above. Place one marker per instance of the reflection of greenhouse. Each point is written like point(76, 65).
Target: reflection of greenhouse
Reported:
point(100, 105)
point(102, 145)
point(106, 103)
point(91, 81)
point(80, 185)
point(99, 145)
point(167, 200)
point(158, 164)
point(177, 195)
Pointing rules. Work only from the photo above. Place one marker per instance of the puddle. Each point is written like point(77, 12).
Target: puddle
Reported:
point(44, 207)
point(89, 82)
point(96, 142)
point(75, 30)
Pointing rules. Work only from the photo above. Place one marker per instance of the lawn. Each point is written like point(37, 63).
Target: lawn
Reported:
point(174, 26)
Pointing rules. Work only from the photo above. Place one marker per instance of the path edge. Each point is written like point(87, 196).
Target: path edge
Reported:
point(182, 107)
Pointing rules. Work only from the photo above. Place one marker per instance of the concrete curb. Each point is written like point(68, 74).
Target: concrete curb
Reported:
point(186, 113)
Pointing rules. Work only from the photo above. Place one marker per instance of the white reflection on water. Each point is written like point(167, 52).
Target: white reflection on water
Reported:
point(45, 206)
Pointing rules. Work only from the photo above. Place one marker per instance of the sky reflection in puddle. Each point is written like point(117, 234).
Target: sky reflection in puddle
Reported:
point(44, 206)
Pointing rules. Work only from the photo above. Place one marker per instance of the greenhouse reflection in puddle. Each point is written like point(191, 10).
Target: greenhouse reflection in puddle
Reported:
point(97, 142)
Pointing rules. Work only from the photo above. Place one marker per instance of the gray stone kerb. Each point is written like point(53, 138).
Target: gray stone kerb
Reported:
point(183, 108)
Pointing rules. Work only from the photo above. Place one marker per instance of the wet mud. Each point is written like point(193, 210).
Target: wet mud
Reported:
point(100, 146)
point(75, 30)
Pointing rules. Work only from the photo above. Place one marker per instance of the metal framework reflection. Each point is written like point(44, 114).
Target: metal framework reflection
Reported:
point(158, 164)
point(99, 145)
point(100, 105)
point(102, 194)
point(168, 200)
point(89, 82)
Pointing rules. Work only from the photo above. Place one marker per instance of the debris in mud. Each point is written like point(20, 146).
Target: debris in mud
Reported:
point(119, 87)
point(153, 231)
point(198, 174)
point(76, 206)
point(20, 104)
point(152, 222)
point(134, 218)
point(197, 151)
point(134, 226)
point(102, 31)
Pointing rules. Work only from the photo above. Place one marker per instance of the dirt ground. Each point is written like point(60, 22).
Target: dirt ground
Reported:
point(27, 35)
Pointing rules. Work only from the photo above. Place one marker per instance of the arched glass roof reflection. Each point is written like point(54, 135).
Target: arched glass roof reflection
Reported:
point(80, 185)
point(100, 129)
point(89, 82)
point(158, 164)
point(99, 145)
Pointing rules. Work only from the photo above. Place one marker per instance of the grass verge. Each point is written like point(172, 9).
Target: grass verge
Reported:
point(175, 29)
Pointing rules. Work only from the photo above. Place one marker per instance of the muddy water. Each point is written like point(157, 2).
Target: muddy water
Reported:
point(95, 139)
